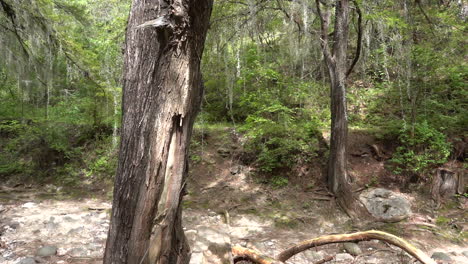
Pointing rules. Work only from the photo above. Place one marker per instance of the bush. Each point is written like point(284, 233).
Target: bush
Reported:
point(278, 139)
point(422, 148)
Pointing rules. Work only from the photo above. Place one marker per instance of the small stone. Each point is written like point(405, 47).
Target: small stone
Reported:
point(465, 253)
point(196, 258)
point(27, 261)
point(14, 225)
point(312, 255)
point(69, 219)
point(47, 251)
point(212, 213)
point(224, 152)
point(235, 170)
point(78, 252)
point(191, 235)
point(344, 257)
point(40, 260)
point(352, 248)
point(370, 260)
point(51, 225)
point(76, 230)
point(29, 205)
point(441, 256)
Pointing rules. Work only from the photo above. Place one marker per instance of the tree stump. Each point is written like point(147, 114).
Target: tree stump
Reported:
point(447, 183)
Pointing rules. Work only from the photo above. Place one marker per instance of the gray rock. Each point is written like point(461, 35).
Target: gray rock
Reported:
point(77, 230)
point(370, 260)
point(40, 260)
point(343, 257)
point(78, 252)
point(215, 246)
point(386, 205)
point(69, 219)
point(352, 248)
point(224, 152)
point(52, 225)
point(27, 261)
point(312, 255)
point(47, 251)
point(465, 253)
point(441, 256)
point(191, 235)
point(14, 225)
point(196, 258)
point(235, 169)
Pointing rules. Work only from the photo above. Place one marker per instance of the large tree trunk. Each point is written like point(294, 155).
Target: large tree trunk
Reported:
point(161, 95)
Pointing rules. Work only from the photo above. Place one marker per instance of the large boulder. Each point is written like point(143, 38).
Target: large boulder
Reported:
point(385, 205)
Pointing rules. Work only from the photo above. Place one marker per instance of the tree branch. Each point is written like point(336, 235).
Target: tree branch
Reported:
point(288, 16)
point(418, 2)
point(10, 13)
point(241, 253)
point(354, 237)
point(359, 40)
point(324, 24)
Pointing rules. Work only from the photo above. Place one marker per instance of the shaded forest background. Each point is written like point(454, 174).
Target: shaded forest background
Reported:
point(264, 75)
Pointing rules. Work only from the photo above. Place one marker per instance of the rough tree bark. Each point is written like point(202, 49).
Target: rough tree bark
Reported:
point(446, 183)
point(161, 96)
point(336, 61)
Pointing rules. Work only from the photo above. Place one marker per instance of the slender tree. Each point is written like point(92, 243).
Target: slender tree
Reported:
point(336, 61)
point(162, 92)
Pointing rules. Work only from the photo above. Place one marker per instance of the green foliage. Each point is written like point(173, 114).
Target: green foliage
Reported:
point(285, 222)
point(279, 181)
point(278, 139)
point(262, 71)
point(421, 148)
point(9, 128)
point(46, 144)
point(442, 220)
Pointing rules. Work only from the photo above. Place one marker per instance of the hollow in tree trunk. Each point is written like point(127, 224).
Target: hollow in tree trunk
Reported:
point(161, 95)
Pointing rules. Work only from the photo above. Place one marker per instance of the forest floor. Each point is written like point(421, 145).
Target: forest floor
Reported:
point(229, 204)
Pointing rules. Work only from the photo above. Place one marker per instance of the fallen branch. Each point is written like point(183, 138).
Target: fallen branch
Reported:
point(354, 237)
point(241, 253)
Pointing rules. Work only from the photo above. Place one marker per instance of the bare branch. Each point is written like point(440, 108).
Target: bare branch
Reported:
point(354, 237)
point(324, 24)
point(359, 39)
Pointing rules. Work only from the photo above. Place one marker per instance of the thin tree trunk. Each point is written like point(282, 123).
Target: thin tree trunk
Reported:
point(161, 95)
point(336, 60)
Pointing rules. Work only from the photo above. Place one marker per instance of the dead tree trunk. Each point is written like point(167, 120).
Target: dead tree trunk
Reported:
point(336, 61)
point(161, 96)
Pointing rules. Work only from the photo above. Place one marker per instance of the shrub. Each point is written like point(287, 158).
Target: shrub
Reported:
point(278, 139)
point(422, 148)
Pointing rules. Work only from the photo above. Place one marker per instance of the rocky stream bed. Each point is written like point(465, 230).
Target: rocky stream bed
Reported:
point(37, 229)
